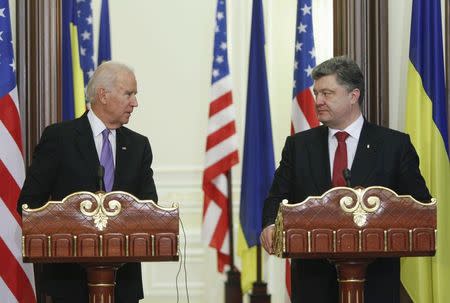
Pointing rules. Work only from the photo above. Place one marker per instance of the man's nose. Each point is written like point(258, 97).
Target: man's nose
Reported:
point(134, 102)
point(319, 99)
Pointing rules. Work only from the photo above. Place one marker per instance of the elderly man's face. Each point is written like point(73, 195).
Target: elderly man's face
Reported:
point(334, 102)
point(121, 100)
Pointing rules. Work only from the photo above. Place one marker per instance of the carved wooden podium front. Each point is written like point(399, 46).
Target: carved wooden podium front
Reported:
point(101, 232)
point(352, 227)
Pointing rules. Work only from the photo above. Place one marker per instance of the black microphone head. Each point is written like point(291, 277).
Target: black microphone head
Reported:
point(101, 171)
point(347, 176)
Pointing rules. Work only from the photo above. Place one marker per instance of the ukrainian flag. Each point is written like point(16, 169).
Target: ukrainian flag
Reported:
point(104, 35)
point(74, 102)
point(258, 163)
point(427, 279)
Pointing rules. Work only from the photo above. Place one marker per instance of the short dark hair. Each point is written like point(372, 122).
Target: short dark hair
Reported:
point(347, 73)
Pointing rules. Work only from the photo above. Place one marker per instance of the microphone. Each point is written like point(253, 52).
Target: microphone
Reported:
point(347, 176)
point(100, 174)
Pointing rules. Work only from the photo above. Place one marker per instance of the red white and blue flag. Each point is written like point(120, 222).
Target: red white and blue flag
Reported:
point(86, 39)
point(16, 282)
point(221, 146)
point(303, 114)
point(303, 109)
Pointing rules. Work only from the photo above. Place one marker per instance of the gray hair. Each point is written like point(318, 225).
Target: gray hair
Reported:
point(347, 73)
point(105, 77)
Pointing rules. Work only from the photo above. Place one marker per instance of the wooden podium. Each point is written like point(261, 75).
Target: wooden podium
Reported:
point(101, 232)
point(352, 227)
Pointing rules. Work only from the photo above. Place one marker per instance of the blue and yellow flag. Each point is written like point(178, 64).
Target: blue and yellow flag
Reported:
point(73, 103)
point(104, 36)
point(258, 164)
point(427, 279)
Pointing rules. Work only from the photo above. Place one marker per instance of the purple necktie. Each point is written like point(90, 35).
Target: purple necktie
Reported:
point(107, 161)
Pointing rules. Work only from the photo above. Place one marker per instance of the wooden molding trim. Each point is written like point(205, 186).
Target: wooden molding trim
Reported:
point(361, 32)
point(38, 26)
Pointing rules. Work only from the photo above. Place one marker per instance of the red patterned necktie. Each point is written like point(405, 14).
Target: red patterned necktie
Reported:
point(340, 160)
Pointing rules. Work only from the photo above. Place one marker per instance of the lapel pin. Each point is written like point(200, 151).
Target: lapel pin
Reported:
point(124, 148)
point(368, 146)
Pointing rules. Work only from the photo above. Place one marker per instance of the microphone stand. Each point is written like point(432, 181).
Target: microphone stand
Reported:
point(100, 174)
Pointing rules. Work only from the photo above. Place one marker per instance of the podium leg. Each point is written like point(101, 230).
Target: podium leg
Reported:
point(351, 277)
point(101, 280)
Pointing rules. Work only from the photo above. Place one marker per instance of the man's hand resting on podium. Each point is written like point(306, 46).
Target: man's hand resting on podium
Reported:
point(266, 238)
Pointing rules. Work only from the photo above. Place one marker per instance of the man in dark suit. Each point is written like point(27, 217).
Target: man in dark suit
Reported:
point(67, 160)
point(310, 166)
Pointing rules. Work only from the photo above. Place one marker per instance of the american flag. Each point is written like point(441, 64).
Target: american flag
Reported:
point(303, 114)
point(221, 146)
point(17, 282)
point(85, 38)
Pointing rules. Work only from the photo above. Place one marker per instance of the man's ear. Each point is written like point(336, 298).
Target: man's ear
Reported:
point(356, 93)
point(102, 95)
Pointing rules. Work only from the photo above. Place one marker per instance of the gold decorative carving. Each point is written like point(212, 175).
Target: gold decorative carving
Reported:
point(100, 214)
point(23, 247)
point(278, 244)
point(153, 245)
point(359, 208)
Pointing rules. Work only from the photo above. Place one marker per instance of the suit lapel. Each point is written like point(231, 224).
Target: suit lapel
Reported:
point(365, 161)
point(122, 146)
point(86, 145)
point(320, 160)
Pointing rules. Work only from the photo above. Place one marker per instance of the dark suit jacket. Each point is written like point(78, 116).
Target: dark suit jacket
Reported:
point(383, 157)
point(66, 161)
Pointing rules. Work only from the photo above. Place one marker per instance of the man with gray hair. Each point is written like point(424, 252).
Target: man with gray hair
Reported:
point(313, 161)
point(67, 160)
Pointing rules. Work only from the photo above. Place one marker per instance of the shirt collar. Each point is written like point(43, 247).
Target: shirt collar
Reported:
point(96, 124)
point(354, 129)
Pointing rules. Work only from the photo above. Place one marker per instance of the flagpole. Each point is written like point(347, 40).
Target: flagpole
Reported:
point(233, 290)
point(259, 291)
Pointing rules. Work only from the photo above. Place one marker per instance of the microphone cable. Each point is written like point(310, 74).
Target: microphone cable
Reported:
point(182, 264)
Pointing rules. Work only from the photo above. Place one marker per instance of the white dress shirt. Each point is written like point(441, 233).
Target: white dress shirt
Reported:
point(97, 127)
point(354, 131)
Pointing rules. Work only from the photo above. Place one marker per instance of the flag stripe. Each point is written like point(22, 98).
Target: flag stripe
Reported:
point(9, 193)
point(7, 295)
point(10, 232)
point(220, 103)
point(212, 213)
point(220, 135)
point(220, 87)
point(219, 167)
point(306, 102)
point(14, 276)
point(221, 119)
point(9, 116)
point(11, 156)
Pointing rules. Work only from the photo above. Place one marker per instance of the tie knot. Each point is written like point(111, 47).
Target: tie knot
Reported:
point(105, 133)
point(341, 136)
